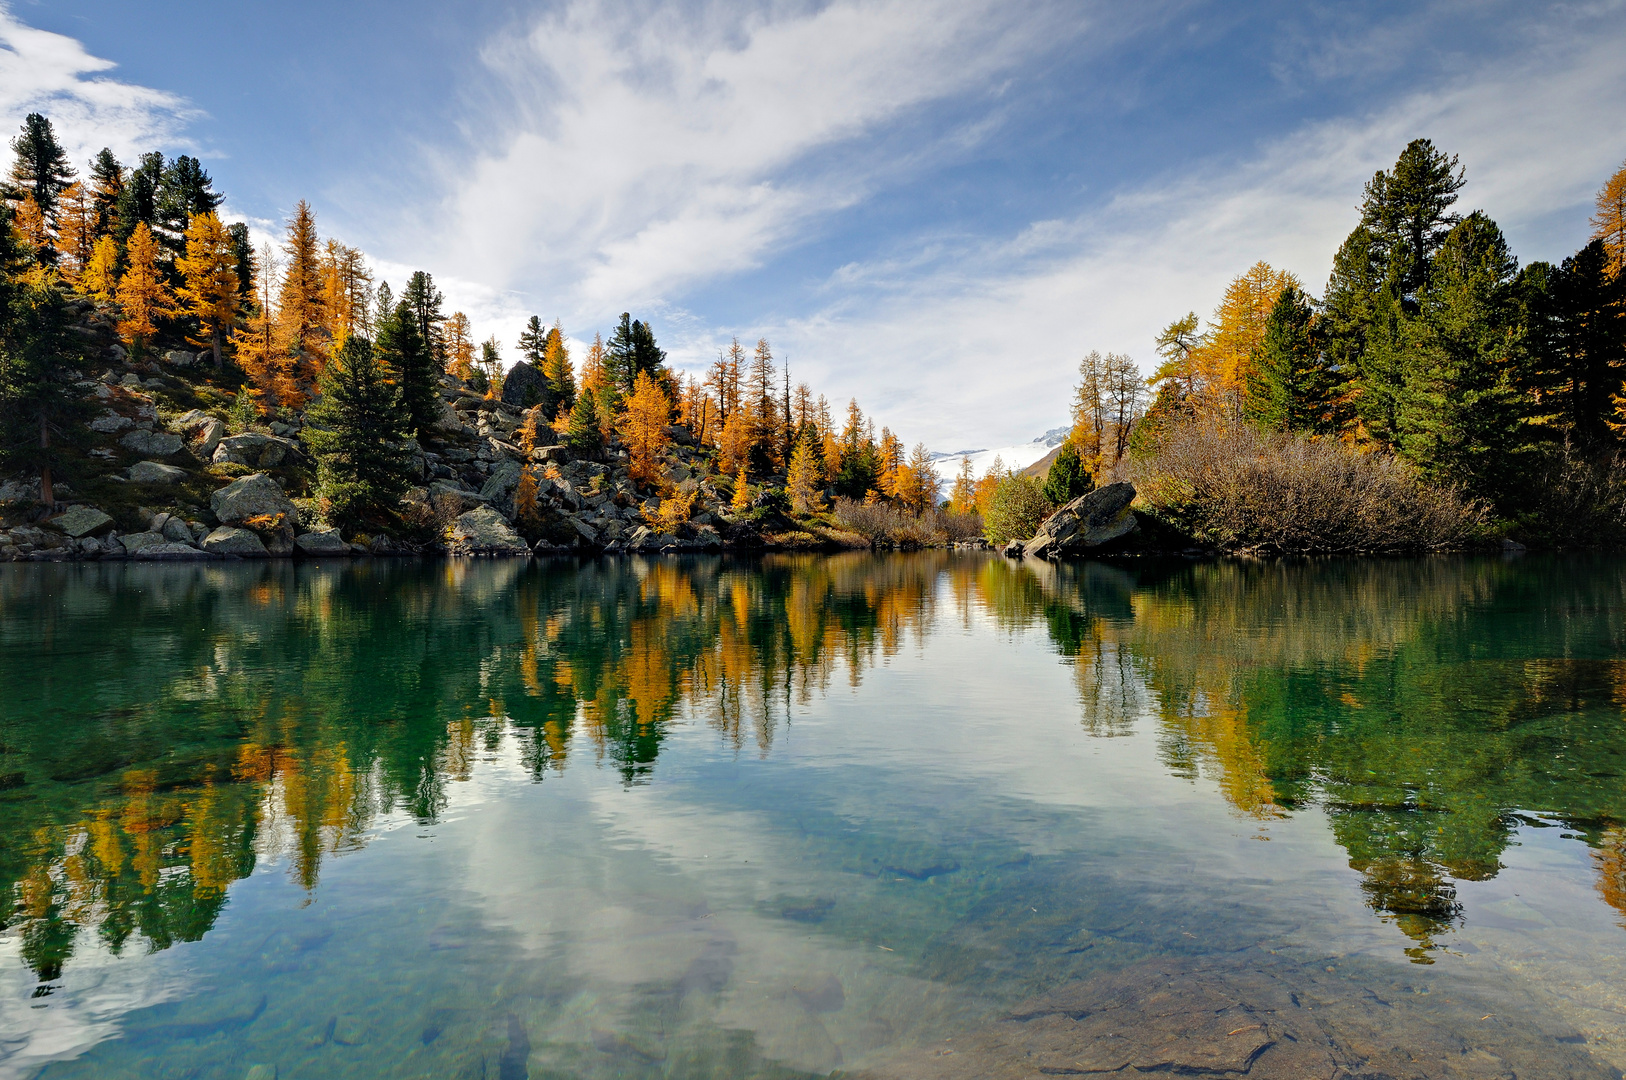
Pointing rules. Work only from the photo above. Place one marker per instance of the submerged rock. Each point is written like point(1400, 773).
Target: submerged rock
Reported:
point(1088, 523)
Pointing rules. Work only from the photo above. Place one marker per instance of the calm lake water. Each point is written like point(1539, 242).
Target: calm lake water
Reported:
point(779, 817)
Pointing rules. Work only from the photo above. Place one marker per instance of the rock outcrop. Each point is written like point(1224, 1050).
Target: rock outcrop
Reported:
point(230, 540)
point(152, 443)
point(321, 542)
point(524, 386)
point(252, 496)
point(483, 531)
point(1090, 523)
point(155, 472)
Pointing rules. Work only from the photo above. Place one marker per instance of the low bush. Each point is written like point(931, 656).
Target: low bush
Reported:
point(1573, 501)
point(1236, 487)
point(890, 523)
point(1016, 509)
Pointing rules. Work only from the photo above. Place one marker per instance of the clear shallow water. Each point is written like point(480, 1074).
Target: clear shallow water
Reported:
point(782, 817)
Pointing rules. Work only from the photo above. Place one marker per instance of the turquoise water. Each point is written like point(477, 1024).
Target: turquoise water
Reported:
point(786, 816)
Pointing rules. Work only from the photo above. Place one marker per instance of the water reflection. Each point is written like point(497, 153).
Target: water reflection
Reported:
point(166, 729)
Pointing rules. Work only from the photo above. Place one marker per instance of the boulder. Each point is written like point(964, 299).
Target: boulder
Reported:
point(253, 449)
point(483, 530)
point(180, 359)
point(176, 531)
point(440, 489)
point(256, 495)
point(170, 550)
point(1087, 524)
point(152, 443)
point(504, 479)
point(1012, 550)
point(524, 386)
point(110, 423)
point(321, 542)
point(230, 540)
point(83, 521)
point(20, 491)
point(156, 472)
point(209, 436)
point(587, 532)
point(135, 543)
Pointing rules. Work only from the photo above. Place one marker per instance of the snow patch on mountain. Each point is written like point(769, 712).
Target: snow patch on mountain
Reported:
point(1013, 457)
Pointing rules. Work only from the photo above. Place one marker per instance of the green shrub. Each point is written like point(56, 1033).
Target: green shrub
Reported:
point(1016, 510)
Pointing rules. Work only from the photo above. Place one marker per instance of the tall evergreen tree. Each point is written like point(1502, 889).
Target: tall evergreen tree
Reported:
point(138, 198)
point(1574, 347)
point(1066, 480)
point(184, 191)
point(533, 343)
point(356, 431)
point(299, 300)
point(41, 167)
point(106, 185)
point(426, 301)
point(403, 352)
point(584, 435)
point(632, 350)
point(1290, 387)
point(1407, 211)
point(557, 369)
point(243, 254)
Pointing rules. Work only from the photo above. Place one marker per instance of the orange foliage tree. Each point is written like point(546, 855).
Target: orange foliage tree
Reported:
point(643, 427)
point(209, 281)
point(142, 293)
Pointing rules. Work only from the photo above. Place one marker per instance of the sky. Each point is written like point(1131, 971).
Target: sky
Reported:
point(935, 206)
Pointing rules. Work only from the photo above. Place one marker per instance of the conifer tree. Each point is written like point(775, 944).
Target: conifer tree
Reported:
point(39, 406)
point(804, 482)
point(595, 376)
point(584, 435)
point(643, 427)
point(299, 302)
point(76, 230)
point(491, 366)
point(963, 496)
point(260, 351)
point(41, 167)
point(243, 250)
point(734, 442)
point(891, 464)
point(1406, 212)
point(764, 417)
point(404, 355)
point(918, 484)
point(1609, 222)
point(35, 232)
point(525, 493)
point(142, 294)
point(426, 301)
point(184, 192)
point(559, 371)
point(1574, 346)
point(1290, 387)
point(459, 346)
point(742, 493)
point(106, 187)
point(138, 198)
point(101, 275)
point(208, 290)
point(533, 343)
point(356, 431)
point(1066, 480)
point(632, 350)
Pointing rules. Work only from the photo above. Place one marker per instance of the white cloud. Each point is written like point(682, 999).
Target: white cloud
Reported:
point(662, 147)
point(53, 74)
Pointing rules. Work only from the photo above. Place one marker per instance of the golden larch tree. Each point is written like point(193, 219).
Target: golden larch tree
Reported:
point(142, 294)
point(891, 463)
point(260, 350)
point(208, 289)
point(594, 376)
point(805, 482)
point(459, 346)
point(918, 483)
point(742, 492)
point(299, 302)
point(1609, 223)
point(1224, 361)
point(963, 496)
point(101, 275)
point(32, 228)
point(643, 427)
point(76, 230)
point(346, 293)
point(734, 442)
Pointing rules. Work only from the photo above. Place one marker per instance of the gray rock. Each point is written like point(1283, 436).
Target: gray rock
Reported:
point(176, 531)
point(20, 491)
point(484, 530)
point(251, 496)
point(178, 358)
point(83, 521)
point(254, 449)
point(1012, 550)
point(209, 437)
point(230, 540)
point(524, 386)
point(1088, 523)
point(321, 542)
point(110, 422)
point(152, 443)
point(588, 533)
point(156, 472)
point(135, 543)
point(131, 381)
point(170, 551)
point(504, 479)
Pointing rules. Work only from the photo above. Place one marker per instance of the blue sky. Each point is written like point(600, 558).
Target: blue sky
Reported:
point(934, 206)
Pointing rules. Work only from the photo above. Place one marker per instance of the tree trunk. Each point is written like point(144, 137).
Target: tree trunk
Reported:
point(47, 489)
point(219, 364)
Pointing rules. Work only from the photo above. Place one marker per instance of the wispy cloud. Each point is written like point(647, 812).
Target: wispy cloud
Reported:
point(53, 74)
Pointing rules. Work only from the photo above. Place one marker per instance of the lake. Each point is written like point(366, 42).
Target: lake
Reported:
point(914, 815)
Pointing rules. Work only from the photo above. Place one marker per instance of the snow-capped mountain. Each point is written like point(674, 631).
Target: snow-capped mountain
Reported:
point(1014, 457)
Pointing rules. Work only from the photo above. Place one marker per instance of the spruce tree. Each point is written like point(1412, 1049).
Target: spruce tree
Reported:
point(1581, 309)
point(533, 343)
point(184, 192)
point(138, 199)
point(557, 367)
point(41, 168)
point(106, 185)
point(1067, 478)
point(243, 253)
point(631, 350)
point(1290, 387)
point(401, 350)
point(426, 300)
point(356, 431)
point(584, 436)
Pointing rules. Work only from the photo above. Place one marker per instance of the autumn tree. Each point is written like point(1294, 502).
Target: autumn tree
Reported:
point(559, 371)
point(734, 442)
point(804, 482)
point(184, 192)
point(100, 278)
point(357, 431)
point(643, 427)
point(459, 346)
point(76, 229)
point(963, 496)
point(491, 366)
point(1223, 362)
point(208, 289)
point(143, 295)
point(918, 484)
point(35, 232)
point(347, 293)
point(764, 419)
point(260, 352)
point(1609, 222)
point(299, 302)
point(891, 464)
point(724, 380)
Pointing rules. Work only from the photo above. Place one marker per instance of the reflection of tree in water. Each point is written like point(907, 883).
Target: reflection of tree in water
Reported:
point(1420, 702)
point(271, 712)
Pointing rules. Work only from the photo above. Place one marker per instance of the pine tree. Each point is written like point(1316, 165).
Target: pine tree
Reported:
point(631, 351)
point(208, 290)
point(101, 276)
point(426, 301)
point(1066, 480)
point(642, 427)
point(106, 186)
point(405, 357)
point(1574, 347)
point(39, 405)
point(142, 294)
point(1609, 223)
point(299, 302)
point(243, 250)
point(1290, 387)
point(184, 192)
point(356, 431)
point(804, 482)
point(138, 198)
point(584, 435)
point(1406, 212)
point(41, 167)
